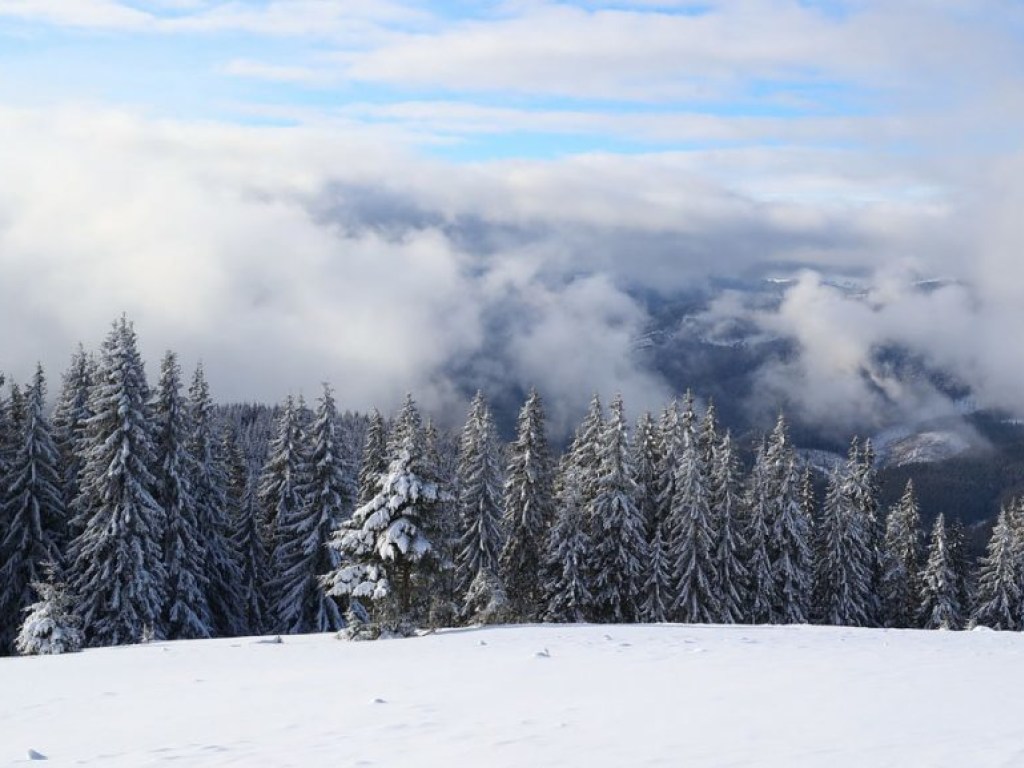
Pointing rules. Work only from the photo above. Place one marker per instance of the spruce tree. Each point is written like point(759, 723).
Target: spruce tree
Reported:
point(480, 500)
point(529, 511)
point(117, 568)
point(862, 494)
point(247, 538)
point(842, 585)
point(69, 417)
point(384, 555)
point(32, 514)
point(999, 580)
point(567, 593)
point(694, 537)
point(670, 450)
point(51, 626)
point(965, 587)
point(375, 458)
point(646, 458)
point(209, 483)
point(187, 612)
point(758, 534)
point(408, 425)
point(790, 533)
point(730, 548)
point(940, 606)
point(585, 454)
point(441, 527)
point(659, 576)
point(901, 561)
point(616, 526)
point(303, 555)
point(279, 487)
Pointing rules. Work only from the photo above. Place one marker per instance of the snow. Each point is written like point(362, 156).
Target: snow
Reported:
point(556, 695)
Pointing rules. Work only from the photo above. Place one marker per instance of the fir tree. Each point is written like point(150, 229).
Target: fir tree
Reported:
point(209, 483)
point(999, 580)
point(707, 436)
point(302, 555)
point(567, 594)
point(585, 453)
point(730, 548)
point(280, 483)
point(842, 588)
point(485, 601)
point(761, 579)
point(964, 573)
point(646, 458)
point(51, 626)
point(408, 425)
point(17, 410)
point(659, 576)
point(618, 548)
point(247, 538)
point(656, 602)
point(901, 558)
point(187, 610)
point(694, 537)
point(32, 514)
point(529, 510)
point(69, 417)
point(375, 458)
point(940, 606)
point(862, 494)
point(790, 534)
point(384, 554)
point(117, 571)
point(480, 500)
point(670, 450)
point(441, 528)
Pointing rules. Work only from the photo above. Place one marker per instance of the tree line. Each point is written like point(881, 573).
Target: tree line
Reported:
point(129, 514)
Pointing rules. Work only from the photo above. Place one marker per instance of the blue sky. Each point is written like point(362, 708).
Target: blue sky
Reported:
point(578, 76)
point(364, 190)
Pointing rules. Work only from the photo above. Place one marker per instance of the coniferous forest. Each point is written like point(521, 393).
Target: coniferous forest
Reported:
point(131, 512)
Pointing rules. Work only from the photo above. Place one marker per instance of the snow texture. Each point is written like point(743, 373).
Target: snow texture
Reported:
point(638, 696)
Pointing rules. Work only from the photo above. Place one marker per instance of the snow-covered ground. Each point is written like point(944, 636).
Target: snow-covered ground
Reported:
point(622, 696)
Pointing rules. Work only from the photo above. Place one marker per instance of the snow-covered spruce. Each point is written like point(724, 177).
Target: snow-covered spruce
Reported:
point(117, 569)
point(51, 626)
point(187, 613)
point(566, 591)
point(282, 476)
point(384, 554)
point(842, 587)
point(696, 596)
point(529, 511)
point(302, 555)
point(32, 514)
point(940, 606)
point(999, 580)
point(901, 562)
point(247, 539)
point(69, 417)
point(209, 483)
point(480, 537)
point(619, 548)
point(790, 533)
point(375, 458)
point(731, 574)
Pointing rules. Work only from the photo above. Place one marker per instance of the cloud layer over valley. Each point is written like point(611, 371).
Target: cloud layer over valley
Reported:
point(433, 200)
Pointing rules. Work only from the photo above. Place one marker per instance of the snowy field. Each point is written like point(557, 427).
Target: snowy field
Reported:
point(591, 696)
